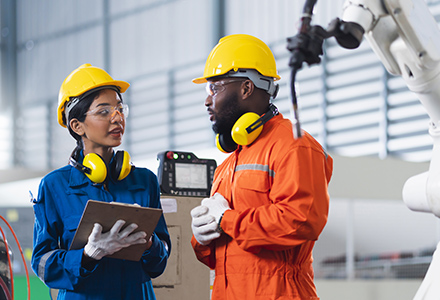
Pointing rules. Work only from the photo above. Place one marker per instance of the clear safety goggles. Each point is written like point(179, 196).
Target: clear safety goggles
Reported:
point(213, 88)
point(108, 112)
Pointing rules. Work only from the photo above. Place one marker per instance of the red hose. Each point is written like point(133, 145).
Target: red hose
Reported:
point(22, 256)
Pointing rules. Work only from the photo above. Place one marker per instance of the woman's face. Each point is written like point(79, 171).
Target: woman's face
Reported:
point(104, 124)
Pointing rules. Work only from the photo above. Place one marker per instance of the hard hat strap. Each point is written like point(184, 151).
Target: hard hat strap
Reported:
point(260, 81)
point(69, 105)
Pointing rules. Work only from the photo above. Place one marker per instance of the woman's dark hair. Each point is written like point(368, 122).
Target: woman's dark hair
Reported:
point(79, 112)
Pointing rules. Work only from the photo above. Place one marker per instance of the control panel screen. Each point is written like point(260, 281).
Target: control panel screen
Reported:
point(184, 174)
point(193, 176)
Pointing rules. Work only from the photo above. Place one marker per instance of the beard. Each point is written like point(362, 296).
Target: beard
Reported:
point(225, 120)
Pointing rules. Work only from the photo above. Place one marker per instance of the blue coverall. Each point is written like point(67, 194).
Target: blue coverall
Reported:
point(61, 200)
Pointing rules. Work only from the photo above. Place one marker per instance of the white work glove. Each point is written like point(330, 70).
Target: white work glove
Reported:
point(216, 205)
point(203, 225)
point(101, 244)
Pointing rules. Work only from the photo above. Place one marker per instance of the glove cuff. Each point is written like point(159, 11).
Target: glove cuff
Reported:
point(219, 227)
point(93, 252)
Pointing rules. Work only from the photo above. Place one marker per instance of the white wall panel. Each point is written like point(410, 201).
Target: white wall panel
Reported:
point(43, 19)
point(160, 38)
point(127, 7)
point(43, 68)
point(5, 141)
point(277, 19)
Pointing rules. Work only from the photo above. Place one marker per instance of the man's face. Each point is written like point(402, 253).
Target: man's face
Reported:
point(223, 103)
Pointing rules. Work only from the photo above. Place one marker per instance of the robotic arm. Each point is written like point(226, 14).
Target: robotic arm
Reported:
point(406, 38)
point(389, 23)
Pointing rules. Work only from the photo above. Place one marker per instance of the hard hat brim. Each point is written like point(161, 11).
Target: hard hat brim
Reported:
point(199, 80)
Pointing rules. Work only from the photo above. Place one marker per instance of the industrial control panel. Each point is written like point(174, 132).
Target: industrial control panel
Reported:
point(184, 174)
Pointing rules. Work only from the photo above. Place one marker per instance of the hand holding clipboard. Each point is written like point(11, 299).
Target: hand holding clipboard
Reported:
point(106, 215)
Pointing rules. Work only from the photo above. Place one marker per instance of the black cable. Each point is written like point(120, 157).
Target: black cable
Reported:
point(298, 57)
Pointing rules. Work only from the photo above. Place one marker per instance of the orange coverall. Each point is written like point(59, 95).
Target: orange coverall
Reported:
point(277, 189)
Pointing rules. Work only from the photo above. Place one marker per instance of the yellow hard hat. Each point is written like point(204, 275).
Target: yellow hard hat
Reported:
point(81, 80)
point(239, 51)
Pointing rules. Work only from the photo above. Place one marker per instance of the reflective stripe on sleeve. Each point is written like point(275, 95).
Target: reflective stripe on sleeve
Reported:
point(255, 167)
point(42, 264)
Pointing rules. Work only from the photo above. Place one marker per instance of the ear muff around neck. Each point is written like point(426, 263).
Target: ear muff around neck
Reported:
point(240, 133)
point(245, 130)
point(225, 143)
point(239, 136)
point(95, 168)
point(122, 165)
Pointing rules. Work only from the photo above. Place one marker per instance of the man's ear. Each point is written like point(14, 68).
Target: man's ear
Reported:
point(77, 127)
point(247, 88)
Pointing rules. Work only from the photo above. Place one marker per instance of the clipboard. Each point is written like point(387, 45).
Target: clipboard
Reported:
point(107, 214)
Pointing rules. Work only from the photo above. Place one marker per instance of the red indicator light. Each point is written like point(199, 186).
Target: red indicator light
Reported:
point(170, 154)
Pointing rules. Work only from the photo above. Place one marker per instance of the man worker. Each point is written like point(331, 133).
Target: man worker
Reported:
point(269, 199)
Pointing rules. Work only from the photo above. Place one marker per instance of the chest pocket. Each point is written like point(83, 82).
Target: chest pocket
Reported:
point(251, 188)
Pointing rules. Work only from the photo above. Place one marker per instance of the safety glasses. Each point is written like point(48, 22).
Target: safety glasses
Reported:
point(108, 112)
point(213, 88)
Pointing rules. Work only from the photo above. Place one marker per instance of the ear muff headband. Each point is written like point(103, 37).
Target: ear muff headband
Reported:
point(245, 130)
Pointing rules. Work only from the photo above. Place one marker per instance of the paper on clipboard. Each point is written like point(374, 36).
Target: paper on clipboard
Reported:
point(107, 214)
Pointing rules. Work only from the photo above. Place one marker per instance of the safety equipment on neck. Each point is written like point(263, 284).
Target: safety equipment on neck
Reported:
point(95, 168)
point(239, 51)
point(245, 130)
point(85, 78)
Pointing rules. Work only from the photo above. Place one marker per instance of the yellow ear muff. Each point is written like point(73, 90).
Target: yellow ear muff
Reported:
point(245, 130)
point(123, 165)
point(239, 133)
point(98, 169)
point(218, 144)
point(225, 143)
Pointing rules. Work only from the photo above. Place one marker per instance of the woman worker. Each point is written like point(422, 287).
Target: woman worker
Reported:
point(91, 106)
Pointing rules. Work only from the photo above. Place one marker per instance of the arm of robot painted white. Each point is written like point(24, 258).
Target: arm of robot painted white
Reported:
point(422, 192)
point(430, 289)
point(406, 38)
